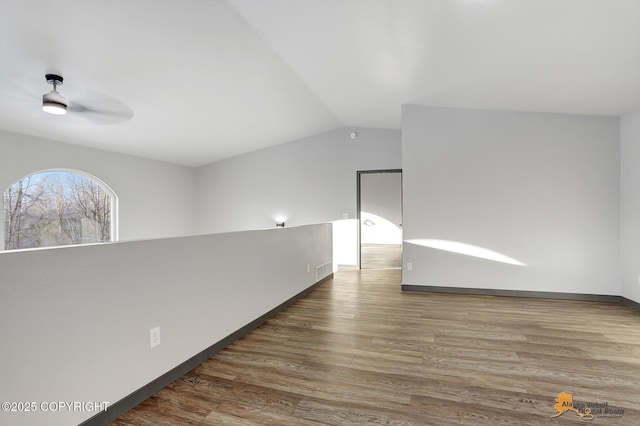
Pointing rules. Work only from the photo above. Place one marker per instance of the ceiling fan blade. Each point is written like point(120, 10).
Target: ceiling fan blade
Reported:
point(14, 98)
point(11, 92)
point(110, 115)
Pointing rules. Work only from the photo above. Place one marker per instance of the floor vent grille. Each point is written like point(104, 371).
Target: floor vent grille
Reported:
point(323, 270)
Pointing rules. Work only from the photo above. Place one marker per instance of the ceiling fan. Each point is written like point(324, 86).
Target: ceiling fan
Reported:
point(53, 102)
point(93, 106)
point(82, 105)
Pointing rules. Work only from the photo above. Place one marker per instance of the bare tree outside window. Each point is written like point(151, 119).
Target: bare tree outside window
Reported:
point(56, 208)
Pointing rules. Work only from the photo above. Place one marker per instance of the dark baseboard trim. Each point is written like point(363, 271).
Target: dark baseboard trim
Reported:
point(127, 403)
point(522, 293)
point(630, 303)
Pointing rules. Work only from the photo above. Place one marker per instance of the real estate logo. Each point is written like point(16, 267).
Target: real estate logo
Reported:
point(587, 410)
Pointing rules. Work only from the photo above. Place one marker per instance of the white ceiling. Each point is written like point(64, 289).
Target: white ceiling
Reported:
point(209, 79)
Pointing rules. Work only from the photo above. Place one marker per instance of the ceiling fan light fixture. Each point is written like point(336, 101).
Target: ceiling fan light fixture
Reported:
point(53, 102)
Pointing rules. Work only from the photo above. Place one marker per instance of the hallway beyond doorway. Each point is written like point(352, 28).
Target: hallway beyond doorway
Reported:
point(381, 256)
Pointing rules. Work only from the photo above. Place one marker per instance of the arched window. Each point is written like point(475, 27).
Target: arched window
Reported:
point(57, 208)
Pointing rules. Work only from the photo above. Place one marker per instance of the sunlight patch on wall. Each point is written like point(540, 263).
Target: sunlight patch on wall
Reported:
point(345, 243)
point(378, 230)
point(466, 249)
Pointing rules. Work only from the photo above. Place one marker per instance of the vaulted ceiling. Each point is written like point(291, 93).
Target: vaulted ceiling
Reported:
point(196, 81)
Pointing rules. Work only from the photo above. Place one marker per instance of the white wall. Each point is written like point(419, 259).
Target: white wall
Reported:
point(311, 180)
point(540, 188)
point(630, 212)
point(156, 199)
point(76, 328)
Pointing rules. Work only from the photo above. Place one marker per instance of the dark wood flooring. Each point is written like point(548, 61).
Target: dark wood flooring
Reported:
point(358, 350)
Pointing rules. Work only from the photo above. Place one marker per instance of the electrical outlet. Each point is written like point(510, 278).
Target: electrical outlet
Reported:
point(409, 266)
point(154, 337)
point(345, 215)
point(308, 268)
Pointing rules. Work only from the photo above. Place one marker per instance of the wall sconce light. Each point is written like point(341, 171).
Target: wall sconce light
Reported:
point(280, 220)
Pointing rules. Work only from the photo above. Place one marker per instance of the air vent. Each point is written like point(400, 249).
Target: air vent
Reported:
point(323, 270)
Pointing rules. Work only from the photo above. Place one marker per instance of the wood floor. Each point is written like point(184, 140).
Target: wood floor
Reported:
point(357, 350)
point(380, 256)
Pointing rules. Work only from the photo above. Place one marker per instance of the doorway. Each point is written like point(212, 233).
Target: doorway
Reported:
point(379, 204)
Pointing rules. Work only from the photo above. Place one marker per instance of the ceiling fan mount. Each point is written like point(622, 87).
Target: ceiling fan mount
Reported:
point(54, 79)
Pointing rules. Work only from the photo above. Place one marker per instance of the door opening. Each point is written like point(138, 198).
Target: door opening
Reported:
point(379, 208)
